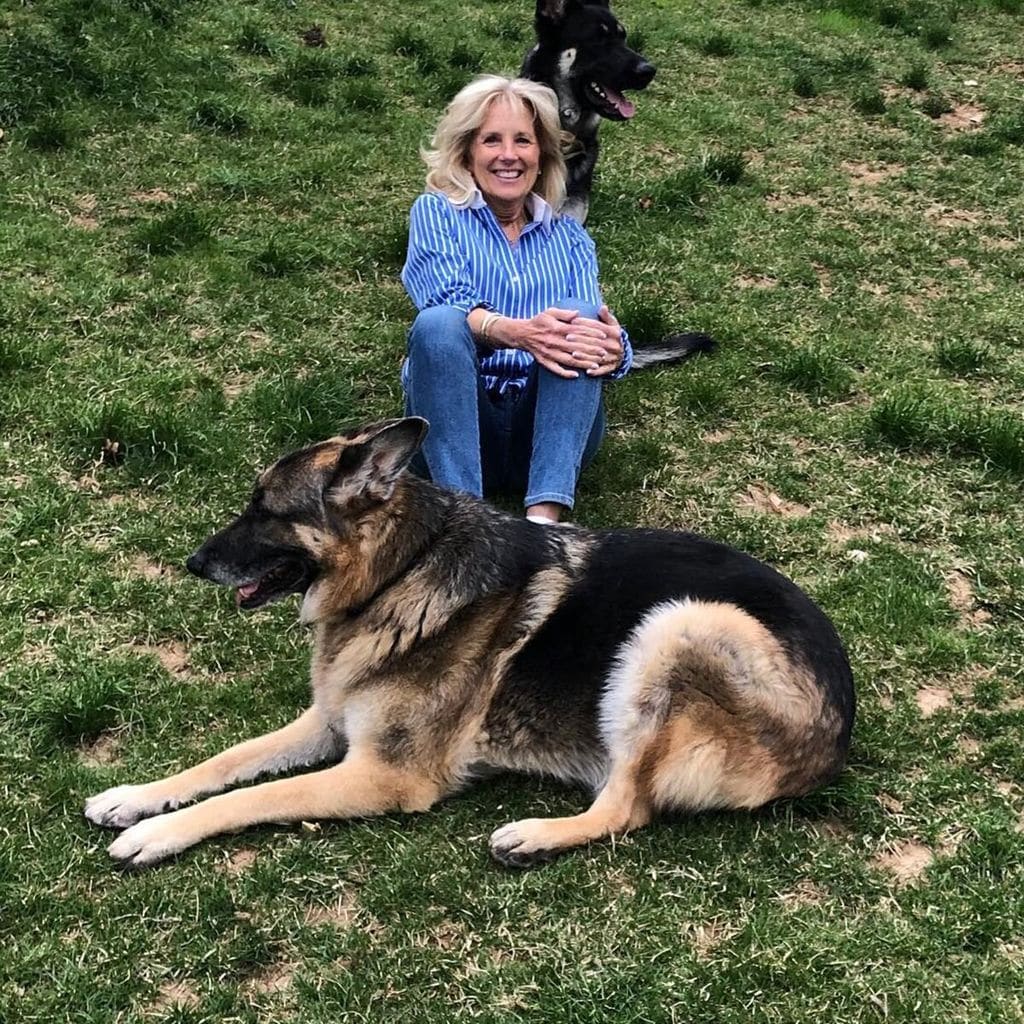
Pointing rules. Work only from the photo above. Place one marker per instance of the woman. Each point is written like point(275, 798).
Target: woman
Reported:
point(511, 345)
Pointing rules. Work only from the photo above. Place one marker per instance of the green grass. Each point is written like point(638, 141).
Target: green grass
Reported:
point(201, 225)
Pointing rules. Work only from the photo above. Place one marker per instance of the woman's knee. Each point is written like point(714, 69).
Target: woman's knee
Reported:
point(440, 334)
point(586, 309)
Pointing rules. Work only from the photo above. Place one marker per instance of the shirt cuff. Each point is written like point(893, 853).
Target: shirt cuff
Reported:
point(627, 359)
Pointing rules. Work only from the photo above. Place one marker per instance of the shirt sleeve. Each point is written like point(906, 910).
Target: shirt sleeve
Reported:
point(583, 284)
point(436, 271)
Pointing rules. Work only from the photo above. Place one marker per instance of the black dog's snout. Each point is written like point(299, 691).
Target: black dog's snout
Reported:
point(645, 72)
point(196, 563)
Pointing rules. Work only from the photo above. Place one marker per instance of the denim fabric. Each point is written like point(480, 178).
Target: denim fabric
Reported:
point(534, 440)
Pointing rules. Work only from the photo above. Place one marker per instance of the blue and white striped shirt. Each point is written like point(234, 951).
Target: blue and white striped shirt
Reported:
point(459, 256)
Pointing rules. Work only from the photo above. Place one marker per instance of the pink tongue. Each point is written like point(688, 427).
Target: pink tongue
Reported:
point(624, 107)
point(245, 592)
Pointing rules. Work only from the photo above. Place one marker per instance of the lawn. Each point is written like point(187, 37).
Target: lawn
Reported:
point(202, 219)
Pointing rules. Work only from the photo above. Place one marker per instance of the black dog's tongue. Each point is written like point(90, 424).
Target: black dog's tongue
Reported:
point(621, 104)
point(244, 592)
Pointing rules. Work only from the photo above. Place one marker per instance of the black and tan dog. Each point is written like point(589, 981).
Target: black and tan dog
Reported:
point(581, 53)
point(664, 670)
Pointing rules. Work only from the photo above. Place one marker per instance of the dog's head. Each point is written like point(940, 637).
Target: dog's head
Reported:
point(588, 44)
point(303, 507)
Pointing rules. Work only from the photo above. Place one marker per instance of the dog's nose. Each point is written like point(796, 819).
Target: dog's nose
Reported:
point(196, 563)
point(645, 71)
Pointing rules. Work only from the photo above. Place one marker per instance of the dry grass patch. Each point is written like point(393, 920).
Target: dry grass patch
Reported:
point(342, 913)
point(706, 938)
point(906, 862)
point(173, 995)
point(960, 594)
point(171, 654)
point(931, 699)
point(238, 861)
point(153, 195)
point(806, 893)
point(148, 568)
point(103, 750)
point(756, 281)
point(866, 176)
point(779, 202)
point(963, 117)
point(757, 498)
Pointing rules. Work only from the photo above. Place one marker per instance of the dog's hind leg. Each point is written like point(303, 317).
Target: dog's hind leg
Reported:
point(360, 786)
point(306, 741)
point(618, 808)
point(702, 709)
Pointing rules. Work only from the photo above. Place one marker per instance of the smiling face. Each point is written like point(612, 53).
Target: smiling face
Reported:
point(504, 156)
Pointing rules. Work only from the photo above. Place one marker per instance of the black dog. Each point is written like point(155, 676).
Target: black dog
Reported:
point(581, 53)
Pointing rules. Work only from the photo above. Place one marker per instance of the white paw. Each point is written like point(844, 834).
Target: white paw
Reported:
point(148, 842)
point(521, 844)
point(124, 805)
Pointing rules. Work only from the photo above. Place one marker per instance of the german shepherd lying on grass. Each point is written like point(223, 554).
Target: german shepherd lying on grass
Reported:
point(581, 53)
point(663, 670)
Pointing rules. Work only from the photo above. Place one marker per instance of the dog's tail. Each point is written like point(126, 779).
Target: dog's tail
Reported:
point(671, 349)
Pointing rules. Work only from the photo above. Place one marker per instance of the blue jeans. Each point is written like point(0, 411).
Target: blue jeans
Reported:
point(535, 440)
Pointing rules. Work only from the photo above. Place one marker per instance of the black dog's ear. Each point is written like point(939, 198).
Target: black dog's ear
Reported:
point(553, 12)
point(370, 467)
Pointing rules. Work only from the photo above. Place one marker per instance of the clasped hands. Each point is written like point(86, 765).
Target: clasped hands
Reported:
point(567, 344)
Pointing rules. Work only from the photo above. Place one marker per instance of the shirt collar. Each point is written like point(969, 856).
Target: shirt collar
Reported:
point(540, 208)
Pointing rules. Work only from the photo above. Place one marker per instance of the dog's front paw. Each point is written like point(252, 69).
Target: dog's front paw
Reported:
point(523, 844)
point(124, 805)
point(147, 843)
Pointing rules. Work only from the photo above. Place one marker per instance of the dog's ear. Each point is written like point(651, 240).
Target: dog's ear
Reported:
point(551, 13)
point(370, 466)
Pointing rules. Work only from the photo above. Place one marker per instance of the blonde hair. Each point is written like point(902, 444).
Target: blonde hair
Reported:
point(448, 159)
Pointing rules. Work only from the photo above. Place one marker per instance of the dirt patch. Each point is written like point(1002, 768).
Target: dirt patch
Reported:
point(931, 699)
point(906, 862)
point(706, 938)
point(866, 176)
point(778, 203)
point(969, 746)
point(173, 995)
point(103, 750)
point(238, 862)
point(1011, 67)
point(891, 804)
point(716, 436)
point(964, 117)
point(874, 288)
point(756, 281)
point(841, 534)
point(824, 276)
point(961, 597)
point(275, 978)
point(147, 568)
point(235, 385)
point(804, 894)
point(1000, 244)
point(153, 195)
point(446, 935)
point(342, 913)
point(171, 654)
point(950, 217)
point(759, 499)
point(257, 340)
